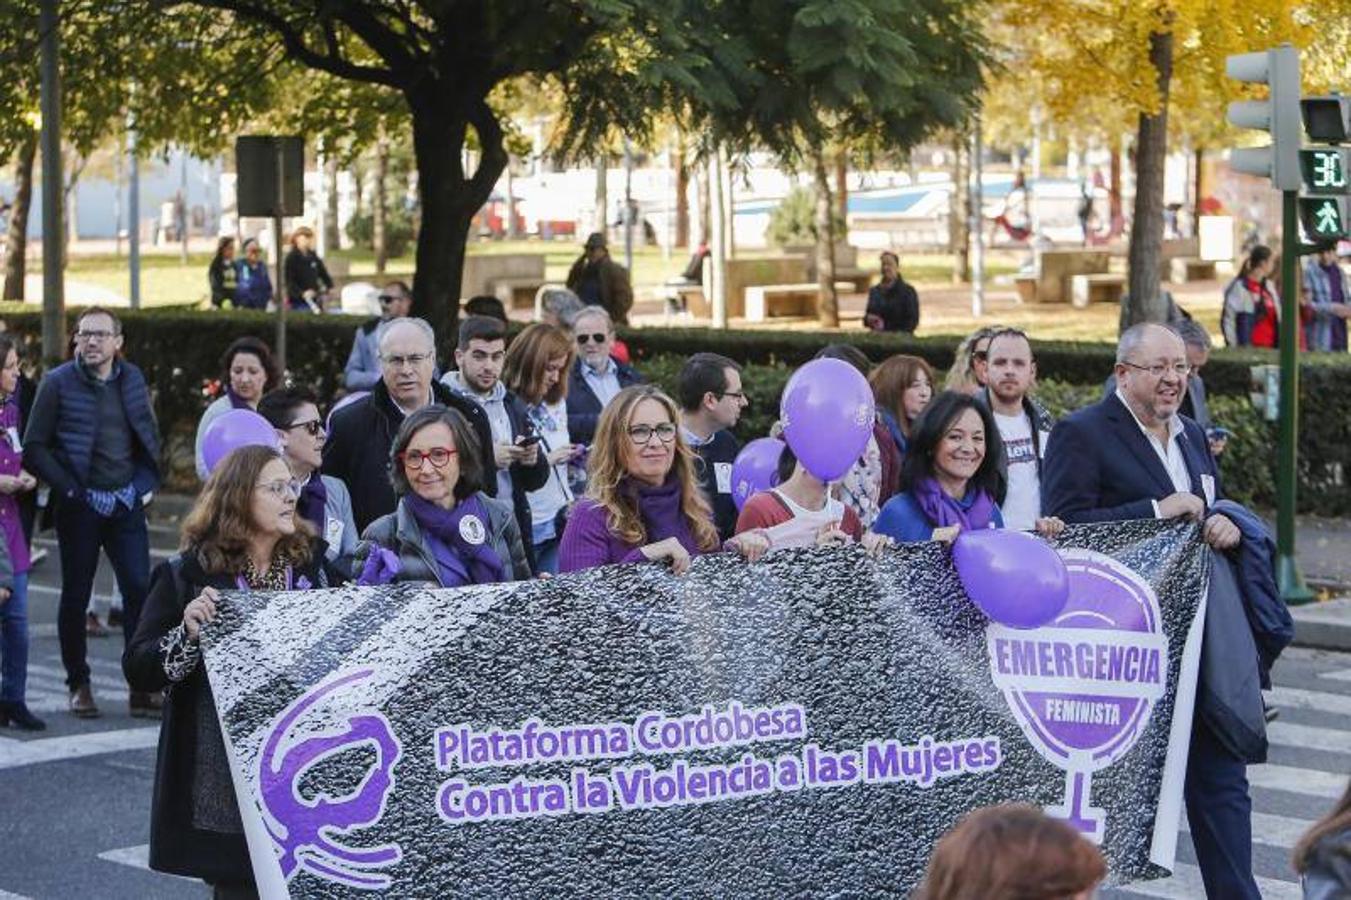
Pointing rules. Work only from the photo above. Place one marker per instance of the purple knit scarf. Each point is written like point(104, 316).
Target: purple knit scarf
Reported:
point(461, 561)
point(974, 512)
point(236, 401)
point(313, 501)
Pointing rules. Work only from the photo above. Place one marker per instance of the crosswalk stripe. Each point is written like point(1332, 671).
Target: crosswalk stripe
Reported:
point(1319, 701)
point(1186, 884)
point(1309, 737)
point(1343, 675)
point(76, 746)
point(6, 895)
point(107, 682)
point(1274, 831)
point(1310, 782)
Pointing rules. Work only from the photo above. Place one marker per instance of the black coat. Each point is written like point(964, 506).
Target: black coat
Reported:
point(584, 406)
point(361, 435)
point(177, 846)
point(896, 305)
point(525, 478)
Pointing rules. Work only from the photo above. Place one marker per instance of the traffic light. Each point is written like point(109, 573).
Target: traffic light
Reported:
point(1325, 210)
point(1279, 160)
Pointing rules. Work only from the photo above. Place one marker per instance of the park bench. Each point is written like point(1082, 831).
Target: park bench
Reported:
point(776, 301)
point(1183, 269)
point(516, 293)
point(483, 271)
point(1055, 268)
point(744, 272)
point(1097, 287)
point(1026, 285)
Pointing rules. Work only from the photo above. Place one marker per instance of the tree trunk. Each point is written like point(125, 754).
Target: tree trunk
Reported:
point(959, 211)
point(449, 200)
point(829, 311)
point(380, 203)
point(716, 235)
point(358, 190)
point(842, 192)
point(16, 266)
point(332, 238)
point(1114, 216)
point(682, 199)
point(513, 232)
point(601, 219)
point(1144, 302)
point(703, 176)
point(1198, 191)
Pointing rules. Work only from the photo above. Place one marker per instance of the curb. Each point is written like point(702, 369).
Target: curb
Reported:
point(1324, 626)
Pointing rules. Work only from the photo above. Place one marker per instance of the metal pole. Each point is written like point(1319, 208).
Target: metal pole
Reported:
point(977, 195)
point(183, 205)
point(53, 285)
point(628, 207)
point(134, 215)
point(277, 263)
point(1288, 578)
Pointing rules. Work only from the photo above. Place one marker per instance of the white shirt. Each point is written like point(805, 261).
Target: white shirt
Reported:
point(499, 422)
point(551, 424)
point(605, 383)
point(1174, 463)
point(1022, 502)
point(800, 531)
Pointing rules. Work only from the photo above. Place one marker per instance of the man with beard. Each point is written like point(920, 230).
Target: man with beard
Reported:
point(600, 281)
point(1024, 425)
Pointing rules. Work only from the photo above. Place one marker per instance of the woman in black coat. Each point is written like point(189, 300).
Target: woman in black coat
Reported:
point(243, 534)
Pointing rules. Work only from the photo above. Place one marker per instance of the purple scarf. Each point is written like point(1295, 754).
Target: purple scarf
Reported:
point(460, 560)
point(659, 508)
point(312, 502)
point(974, 512)
point(236, 401)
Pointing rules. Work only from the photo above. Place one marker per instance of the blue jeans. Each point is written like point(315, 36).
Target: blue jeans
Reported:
point(14, 642)
point(546, 555)
point(82, 533)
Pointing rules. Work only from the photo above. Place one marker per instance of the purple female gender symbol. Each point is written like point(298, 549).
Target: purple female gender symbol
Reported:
point(298, 825)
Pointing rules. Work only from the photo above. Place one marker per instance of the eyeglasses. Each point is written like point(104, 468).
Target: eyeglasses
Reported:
point(94, 335)
point(386, 299)
point(314, 427)
point(597, 338)
point(641, 434)
point(1158, 370)
point(280, 488)
point(412, 359)
point(981, 355)
point(738, 396)
point(437, 456)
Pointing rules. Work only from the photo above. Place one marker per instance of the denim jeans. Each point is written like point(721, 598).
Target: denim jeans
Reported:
point(546, 555)
point(14, 642)
point(81, 534)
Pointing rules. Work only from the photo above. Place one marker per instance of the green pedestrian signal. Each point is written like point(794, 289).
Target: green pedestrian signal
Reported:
point(1324, 218)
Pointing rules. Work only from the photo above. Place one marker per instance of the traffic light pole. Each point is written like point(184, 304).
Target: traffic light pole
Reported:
point(1288, 578)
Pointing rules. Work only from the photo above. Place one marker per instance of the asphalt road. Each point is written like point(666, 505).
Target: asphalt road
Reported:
point(75, 799)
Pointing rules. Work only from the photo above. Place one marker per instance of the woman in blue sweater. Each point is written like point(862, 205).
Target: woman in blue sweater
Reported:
point(951, 479)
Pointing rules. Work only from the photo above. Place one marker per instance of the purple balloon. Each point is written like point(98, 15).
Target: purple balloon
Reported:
point(756, 469)
point(828, 414)
point(236, 428)
point(1016, 579)
point(345, 401)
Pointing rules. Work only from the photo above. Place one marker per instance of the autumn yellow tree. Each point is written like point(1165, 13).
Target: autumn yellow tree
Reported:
point(1143, 57)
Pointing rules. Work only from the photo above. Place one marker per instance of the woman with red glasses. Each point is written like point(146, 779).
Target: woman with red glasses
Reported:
point(445, 530)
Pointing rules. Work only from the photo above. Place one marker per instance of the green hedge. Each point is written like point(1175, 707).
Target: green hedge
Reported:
point(179, 350)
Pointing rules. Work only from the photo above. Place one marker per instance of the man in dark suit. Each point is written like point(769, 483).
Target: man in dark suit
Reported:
point(596, 376)
point(1132, 456)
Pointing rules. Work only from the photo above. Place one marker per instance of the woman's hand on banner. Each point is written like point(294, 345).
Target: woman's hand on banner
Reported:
point(671, 552)
point(875, 543)
point(1050, 526)
point(832, 535)
point(752, 545)
point(947, 535)
point(199, 611)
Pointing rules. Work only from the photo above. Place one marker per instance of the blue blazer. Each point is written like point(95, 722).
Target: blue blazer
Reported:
point(584, 407)
point(1100, 467)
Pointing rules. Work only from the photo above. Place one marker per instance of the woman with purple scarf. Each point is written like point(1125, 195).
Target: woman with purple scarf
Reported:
point(445, 530)
point(249, 372)
point(951, 481)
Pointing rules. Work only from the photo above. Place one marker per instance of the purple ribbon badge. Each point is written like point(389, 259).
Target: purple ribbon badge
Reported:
point(304, 829)
point(1083, 686)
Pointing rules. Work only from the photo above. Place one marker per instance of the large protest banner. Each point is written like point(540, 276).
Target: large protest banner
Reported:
point(811, 723)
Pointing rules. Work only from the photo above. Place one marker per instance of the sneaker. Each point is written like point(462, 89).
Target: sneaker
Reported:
point(18, 716)
point(82, 704)
point(93, 627)
point(145, 705)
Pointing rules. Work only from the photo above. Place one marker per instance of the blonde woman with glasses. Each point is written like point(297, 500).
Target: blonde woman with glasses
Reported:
point(643, 501)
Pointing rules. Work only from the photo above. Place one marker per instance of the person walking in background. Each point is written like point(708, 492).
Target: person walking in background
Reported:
point(1248, 318)
point(93, 438)
point(600, 281)
point(902, 386)
point(557, 306)
point(223, 274)
point(893, 304)
point(241, 535)
point(360, 434)
point(307, 280)
point(254, 288)
point(519, 464)
point(445, 531)
point(536, 370)
point(324, 501)
point(1012, 851)
point(643, 500)
point(1023, 424)
point(363, 362)
point(248, 371)
point(1327, 292)
point(596, 375)
point(15, 562)
point(711, 400)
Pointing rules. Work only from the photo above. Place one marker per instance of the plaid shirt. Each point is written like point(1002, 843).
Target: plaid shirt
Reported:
point(105, 502)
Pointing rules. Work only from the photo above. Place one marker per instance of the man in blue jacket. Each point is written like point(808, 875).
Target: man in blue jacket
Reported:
point(596, 376)
point(1132, 456)
point(92, 437)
